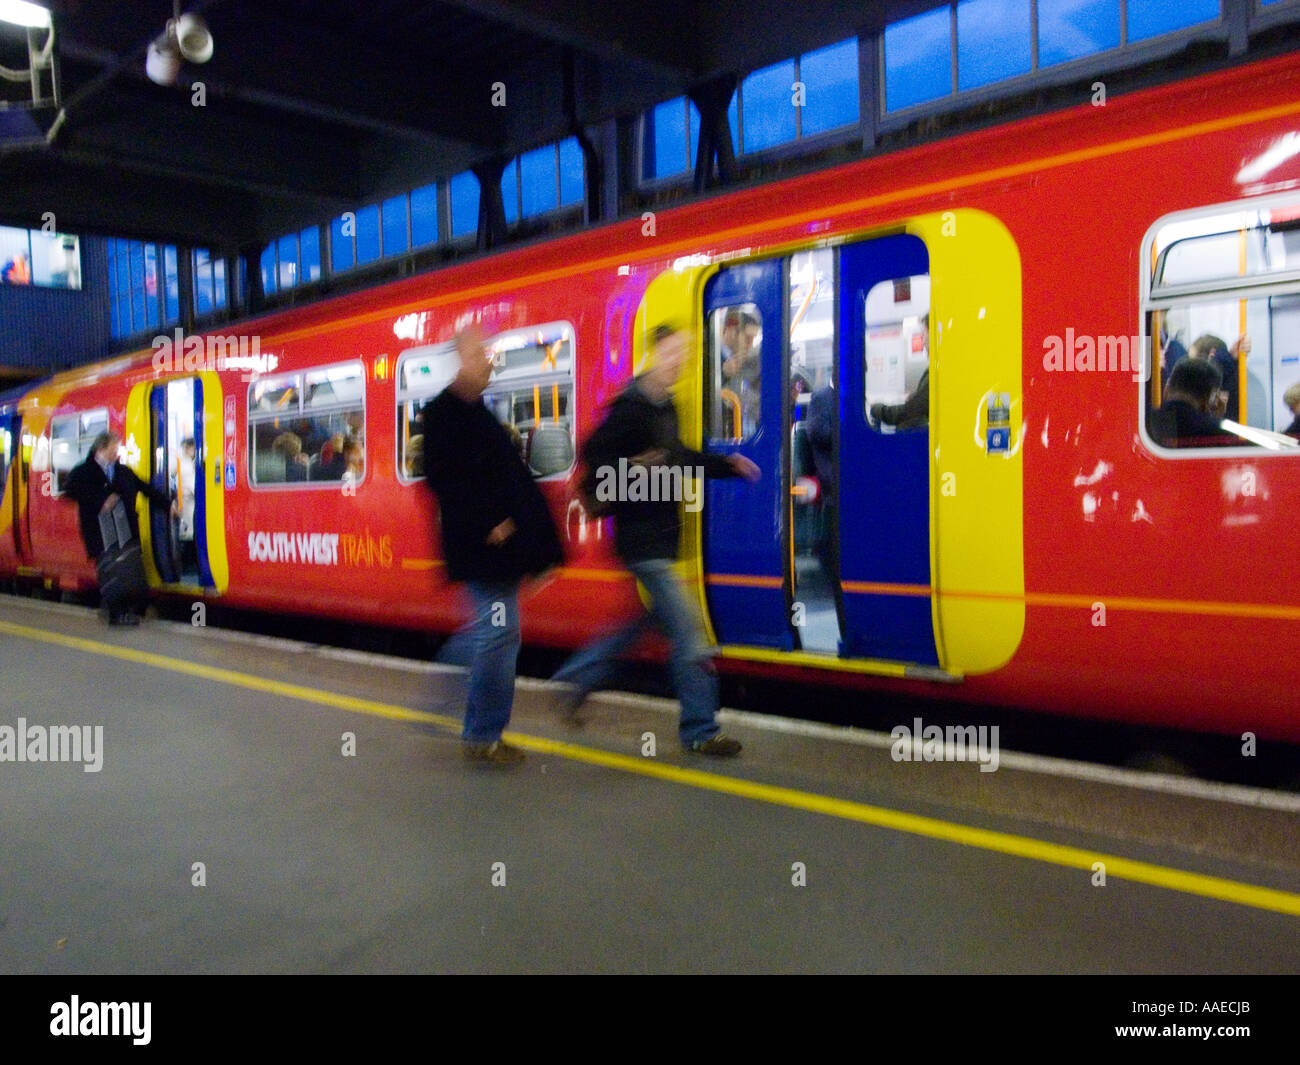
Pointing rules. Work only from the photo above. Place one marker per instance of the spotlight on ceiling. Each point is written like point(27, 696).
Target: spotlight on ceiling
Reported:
point(194, 38)
point(163, 64)
point(186, 37)
point(21, 13)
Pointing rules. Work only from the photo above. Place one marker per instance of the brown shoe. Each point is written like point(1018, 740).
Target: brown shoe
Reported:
point(718, 746)
point(497, 752)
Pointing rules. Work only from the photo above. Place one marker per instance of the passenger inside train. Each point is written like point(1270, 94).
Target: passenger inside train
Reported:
point(1191, 413)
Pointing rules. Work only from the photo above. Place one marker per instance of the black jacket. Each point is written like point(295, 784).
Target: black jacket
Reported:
point(1178, 424)
point(912, 413)
point(90, 487)
point(644, 529)
point(480, 481)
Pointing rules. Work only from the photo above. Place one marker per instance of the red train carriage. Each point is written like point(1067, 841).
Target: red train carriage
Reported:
point(999, 513)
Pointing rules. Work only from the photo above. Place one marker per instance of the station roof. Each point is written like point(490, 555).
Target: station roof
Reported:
point(313, 107)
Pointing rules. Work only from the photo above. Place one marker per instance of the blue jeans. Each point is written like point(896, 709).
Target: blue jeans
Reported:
point(494, 637)
point(688, 663)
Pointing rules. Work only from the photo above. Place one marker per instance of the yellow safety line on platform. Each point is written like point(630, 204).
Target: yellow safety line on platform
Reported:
point(1212, 887)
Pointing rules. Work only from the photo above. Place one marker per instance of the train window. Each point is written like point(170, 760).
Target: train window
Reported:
point(531, 394)
point(422, 373)
point(308, 428)
point(70, 438)
point(733, 373)
point(1222, 318)
point(897, 354)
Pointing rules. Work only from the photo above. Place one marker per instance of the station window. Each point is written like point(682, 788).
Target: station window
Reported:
point(308, 428)
point(209, 282)
point(897, 354)
point(464, 204)
point(531, 393)
point(396, 235)
point(70, 438)
point(367, 226)
point(343, 254)
point(670, 136)
point(424, 216)
point(797, 98)
point(38, 257)
point(134, 289)
point(995, 40)
point(1222, 318)
point(543, 180)
point(733, 375)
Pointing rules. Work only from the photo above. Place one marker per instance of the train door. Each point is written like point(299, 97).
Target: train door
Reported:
point(829, 553)
point(744, 524)
point(10, 441)
point(885, 440)
point(178, 462)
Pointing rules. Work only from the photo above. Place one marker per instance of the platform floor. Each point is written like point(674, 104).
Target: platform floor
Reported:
point(227, 750)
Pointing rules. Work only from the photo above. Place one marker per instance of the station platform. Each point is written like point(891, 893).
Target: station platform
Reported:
point(266, 806)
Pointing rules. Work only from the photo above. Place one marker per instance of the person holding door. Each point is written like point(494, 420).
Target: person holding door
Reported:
point(97, 485)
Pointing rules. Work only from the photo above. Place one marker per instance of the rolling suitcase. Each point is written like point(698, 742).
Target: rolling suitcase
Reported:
point(122, 581)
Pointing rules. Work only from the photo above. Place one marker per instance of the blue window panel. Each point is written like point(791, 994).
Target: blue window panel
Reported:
point(424, 216)
point(572, 172)
point(287, 254)
point(219, 282)
point(340, 247)
point(114, 319)
point(695, 135)
point(1151, 18)
point(510, 191)
point(137, 288)
point(464, 204)
point(993, 41)
point(171, 286)
point(268, 270)
point(124, 276)
point(669, 121)
point(394, 216)
point(151, 285)
point(830, 77)
point(537, 181)
point(368, 234)
point(733, 119)
point(767, 100)
point(124, 314)
point(202, 265)
point(1071, 29)
point(918, 59)
point(309, 255)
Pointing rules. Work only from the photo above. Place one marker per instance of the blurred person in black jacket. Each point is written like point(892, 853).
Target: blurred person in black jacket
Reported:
point(496, 530)
point(640, 430)
point(97, 484)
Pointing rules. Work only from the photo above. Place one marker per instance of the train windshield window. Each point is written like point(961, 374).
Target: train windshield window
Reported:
point(1222, 319)
point(733, 373)
point(308, 428)
point(70, 438)
point(897, 354)
point(531, 394)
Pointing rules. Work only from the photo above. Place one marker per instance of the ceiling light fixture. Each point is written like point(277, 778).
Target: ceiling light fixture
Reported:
point(21, 13)
point(186, 37)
